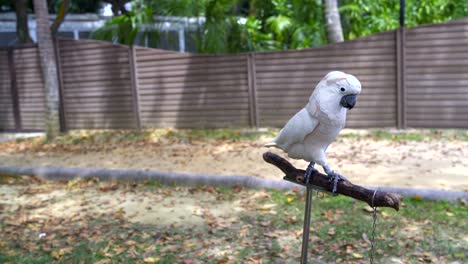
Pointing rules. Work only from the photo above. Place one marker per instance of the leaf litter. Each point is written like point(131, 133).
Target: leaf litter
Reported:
point(90, 221)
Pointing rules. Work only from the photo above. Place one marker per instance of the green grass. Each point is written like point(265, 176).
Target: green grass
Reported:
point(409, 135)
point(420, 231)
point(92, 139)
point(86, 140)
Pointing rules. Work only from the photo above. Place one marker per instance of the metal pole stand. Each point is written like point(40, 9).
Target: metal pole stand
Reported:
point(307, 212)
point(306, 229)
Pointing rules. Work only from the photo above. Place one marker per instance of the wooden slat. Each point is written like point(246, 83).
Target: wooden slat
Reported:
point(92, 53)
point(437, 76)
point(454, 35)
point(147, 83)
point(436, 69)
point(437, 97)
point(184, 72)
point(327, 67)
point(318, 75)
point(109, 85)
point(100, 115)
point(437, 42)
point(190, 77)
point(95, 94)
point(106, 61)
point(110, 110)
point(438, 116)
point(439, 83)
point(124, 103)
point(195, 103)
point(436, 110)
point(194, 96)
point(124, 78)
point(450, 56)
point(324, 52)
point(437, 50)
point(183, 58)
point(191, 62)
point(96, 69)
point(440, 62)
point(440, 103)
point(344, 58)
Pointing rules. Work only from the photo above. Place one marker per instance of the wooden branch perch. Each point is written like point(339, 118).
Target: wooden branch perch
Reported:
point(381, 199)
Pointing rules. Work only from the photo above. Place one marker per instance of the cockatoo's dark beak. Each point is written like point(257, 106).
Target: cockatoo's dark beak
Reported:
point(348, 101)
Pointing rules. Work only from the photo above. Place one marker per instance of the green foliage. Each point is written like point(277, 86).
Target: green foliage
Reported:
point(420, 12)
point(234, 26)
point(182, 8)
point(365, 17)
point(260, 25)
point(124, 29)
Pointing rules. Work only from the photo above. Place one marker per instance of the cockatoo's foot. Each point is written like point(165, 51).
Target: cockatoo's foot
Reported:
point(334, 176)
point(309, 171)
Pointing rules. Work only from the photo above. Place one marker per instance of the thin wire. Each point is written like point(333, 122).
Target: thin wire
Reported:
point(373, 230)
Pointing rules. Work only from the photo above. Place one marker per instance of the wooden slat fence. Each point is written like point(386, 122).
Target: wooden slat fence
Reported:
point(437, 75)
point(285, 80)
point(187, 90)
point(96, 85)
point(29, 88)
point(7, 117)
point(416, 77)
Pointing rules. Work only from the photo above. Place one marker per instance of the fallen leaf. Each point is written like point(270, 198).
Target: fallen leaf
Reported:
point(266, 207)
point(109, 187)
point(151, 259)
point(57, 254)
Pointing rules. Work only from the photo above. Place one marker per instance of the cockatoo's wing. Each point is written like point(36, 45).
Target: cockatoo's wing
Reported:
point(295, 131)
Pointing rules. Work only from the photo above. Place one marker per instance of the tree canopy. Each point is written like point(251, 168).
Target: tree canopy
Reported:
point(256, 25)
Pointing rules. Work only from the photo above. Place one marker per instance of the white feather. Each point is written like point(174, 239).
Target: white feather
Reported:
point(310, 131)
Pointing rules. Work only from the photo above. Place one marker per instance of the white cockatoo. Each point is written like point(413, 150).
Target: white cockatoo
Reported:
point(309, 132)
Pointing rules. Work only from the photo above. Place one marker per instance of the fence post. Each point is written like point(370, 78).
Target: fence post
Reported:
point(14, 91)
point(252, 82)
point(400, 72)
point(62, 116)
point(134, 84)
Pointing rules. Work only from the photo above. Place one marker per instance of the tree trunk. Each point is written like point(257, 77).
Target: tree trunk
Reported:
point(333, 22)
point(49, 68)
point(22, 28)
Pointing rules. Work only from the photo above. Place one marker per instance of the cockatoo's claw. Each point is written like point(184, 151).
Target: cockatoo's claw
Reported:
point(335, 184)
point(308, 173)
point(335, 177)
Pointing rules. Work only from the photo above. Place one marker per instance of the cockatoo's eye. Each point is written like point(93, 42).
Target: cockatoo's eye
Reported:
point(342, 89)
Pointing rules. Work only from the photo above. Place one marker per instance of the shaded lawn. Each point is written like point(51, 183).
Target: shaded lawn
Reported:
point(86, 221)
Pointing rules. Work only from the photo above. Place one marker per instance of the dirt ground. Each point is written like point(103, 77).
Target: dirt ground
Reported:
point(88, 221)
point(432, 164)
